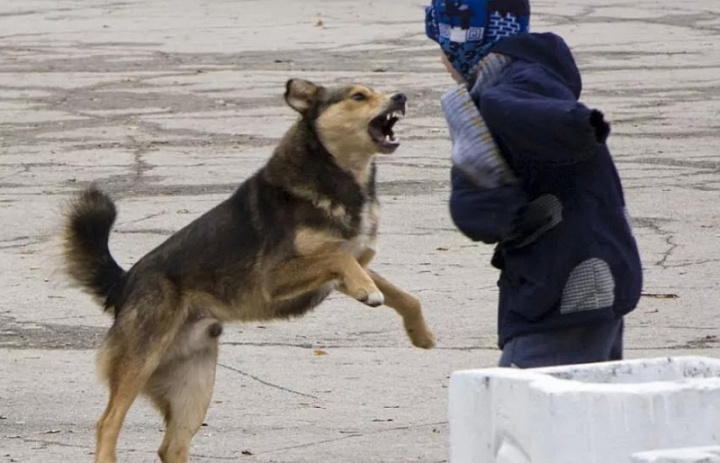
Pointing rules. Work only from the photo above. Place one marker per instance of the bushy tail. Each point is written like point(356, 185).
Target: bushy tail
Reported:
point(88, 221)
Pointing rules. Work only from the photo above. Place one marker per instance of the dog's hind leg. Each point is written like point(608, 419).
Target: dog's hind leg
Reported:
point(409, 309)
point(125, 383)
point(133, 349)
point(181, 388)
point(128, 372)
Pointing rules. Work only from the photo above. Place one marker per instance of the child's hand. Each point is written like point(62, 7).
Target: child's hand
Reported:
point(537, 217)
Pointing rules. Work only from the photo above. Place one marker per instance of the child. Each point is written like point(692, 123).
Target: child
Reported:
point(532, 173)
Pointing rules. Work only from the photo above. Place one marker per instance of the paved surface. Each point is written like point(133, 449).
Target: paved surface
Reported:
point(171, 104)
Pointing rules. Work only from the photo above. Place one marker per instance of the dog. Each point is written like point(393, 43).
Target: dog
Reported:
point(304, 225)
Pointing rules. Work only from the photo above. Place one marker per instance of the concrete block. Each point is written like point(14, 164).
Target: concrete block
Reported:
point(686, 455)
point(599, 413)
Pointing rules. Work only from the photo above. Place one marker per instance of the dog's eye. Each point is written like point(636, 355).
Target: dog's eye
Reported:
point(359, 97)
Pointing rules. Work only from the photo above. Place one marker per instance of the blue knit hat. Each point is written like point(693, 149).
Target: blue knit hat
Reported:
point(467, 29)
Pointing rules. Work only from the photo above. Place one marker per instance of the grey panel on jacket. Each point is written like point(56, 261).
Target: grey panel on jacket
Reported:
point(590, 286)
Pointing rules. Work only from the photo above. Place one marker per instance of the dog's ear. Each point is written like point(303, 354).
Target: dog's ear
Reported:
point(300, 94)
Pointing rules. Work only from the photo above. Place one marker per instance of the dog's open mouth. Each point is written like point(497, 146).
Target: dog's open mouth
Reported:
point(381, 130)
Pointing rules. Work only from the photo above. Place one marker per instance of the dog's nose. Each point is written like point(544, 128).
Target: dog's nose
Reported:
point(399, 98)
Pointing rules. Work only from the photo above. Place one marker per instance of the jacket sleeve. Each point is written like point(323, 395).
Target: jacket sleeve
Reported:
point(536, 116)
point(486, 214)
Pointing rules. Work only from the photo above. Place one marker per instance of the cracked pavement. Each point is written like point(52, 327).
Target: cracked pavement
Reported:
point(169, 105)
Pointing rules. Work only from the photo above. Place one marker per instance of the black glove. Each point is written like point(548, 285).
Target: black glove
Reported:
point(537, 217)
point(602, 128)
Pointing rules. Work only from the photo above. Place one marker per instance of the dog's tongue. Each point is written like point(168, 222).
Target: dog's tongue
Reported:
point(377, 132)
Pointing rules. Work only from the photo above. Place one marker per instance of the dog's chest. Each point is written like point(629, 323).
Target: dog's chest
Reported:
point(367, 230)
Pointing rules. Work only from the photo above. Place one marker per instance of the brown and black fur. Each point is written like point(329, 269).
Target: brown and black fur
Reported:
point(303, 225)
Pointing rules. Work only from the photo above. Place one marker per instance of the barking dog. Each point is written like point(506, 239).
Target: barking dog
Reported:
point(304, 225)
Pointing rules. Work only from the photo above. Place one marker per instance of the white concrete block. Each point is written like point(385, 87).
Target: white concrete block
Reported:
point(686, 455)
point(596, 413)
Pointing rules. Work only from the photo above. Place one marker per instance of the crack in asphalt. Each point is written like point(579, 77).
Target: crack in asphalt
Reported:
point(36, 335)
point(267, 383)
point(671, 246)
point(353, 436)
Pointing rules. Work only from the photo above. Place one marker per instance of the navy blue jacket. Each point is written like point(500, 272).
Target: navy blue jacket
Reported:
point(585, 268)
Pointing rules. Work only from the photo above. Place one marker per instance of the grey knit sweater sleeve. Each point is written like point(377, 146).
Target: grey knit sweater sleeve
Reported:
point(474, 151)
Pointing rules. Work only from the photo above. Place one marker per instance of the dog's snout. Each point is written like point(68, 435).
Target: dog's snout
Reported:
point(399, 98)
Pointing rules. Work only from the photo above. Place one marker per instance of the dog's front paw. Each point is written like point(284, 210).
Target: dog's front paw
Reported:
point(374, 299)
point(421, 336)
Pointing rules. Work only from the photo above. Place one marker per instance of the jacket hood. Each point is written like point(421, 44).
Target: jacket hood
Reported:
point(548, 50)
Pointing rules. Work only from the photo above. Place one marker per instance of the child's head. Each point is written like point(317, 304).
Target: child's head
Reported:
point(467, 29)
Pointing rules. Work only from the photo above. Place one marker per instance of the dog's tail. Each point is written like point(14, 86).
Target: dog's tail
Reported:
point(88, 261)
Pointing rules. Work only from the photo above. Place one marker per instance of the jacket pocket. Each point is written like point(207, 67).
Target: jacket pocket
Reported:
point(531, 280)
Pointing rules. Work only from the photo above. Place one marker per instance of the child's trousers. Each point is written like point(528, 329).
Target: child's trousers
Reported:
point(599, 342)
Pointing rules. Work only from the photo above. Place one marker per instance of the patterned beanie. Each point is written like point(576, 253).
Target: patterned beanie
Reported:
point(467, 29)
